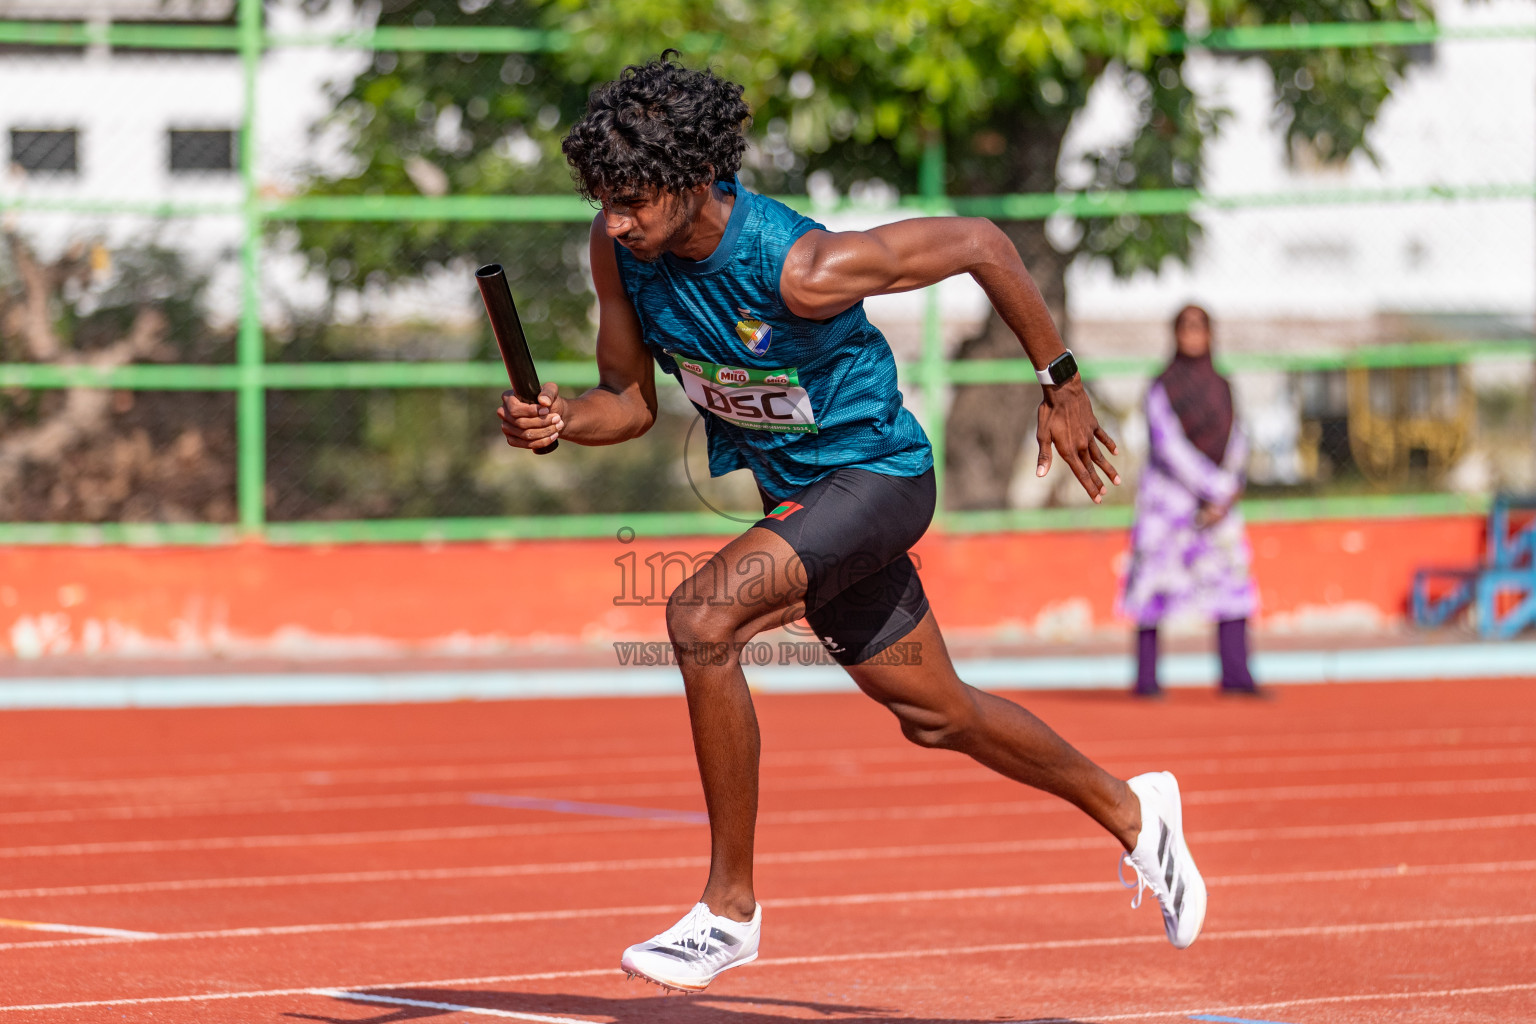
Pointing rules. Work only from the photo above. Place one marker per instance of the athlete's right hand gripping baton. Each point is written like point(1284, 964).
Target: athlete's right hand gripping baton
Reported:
point(509, 337)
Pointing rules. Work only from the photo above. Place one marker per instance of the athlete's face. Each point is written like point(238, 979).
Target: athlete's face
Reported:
point(647, 222)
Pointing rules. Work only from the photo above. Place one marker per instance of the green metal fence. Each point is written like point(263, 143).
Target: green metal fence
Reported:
point(252, 378)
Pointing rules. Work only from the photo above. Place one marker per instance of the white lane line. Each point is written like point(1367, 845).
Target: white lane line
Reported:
point(307, 778)
point(519, 802)
point(1249, 934)
point(310, 755)
point(1362, 790)
point(483, 1011)
point(570, 767)
point(463, 832)
point(276, 805)
point(213, 997)
point(452, 921)
point(315, 759)
point(566, 827)
point(407, 835)
point(852, 899)
point(1459, 743)
point(1247, 835)
point(1353, 739)
point(929, 953)
point(110, 934)
point(976, 774)
point(1286, 1004)
point(456, 798)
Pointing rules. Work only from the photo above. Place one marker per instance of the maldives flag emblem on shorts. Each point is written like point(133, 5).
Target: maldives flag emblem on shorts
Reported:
point(785, 510)
point(754, 334)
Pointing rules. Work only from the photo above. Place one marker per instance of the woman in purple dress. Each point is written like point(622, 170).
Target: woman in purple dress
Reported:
point(1189, 550)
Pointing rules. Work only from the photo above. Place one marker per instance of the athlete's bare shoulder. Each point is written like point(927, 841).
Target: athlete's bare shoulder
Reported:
point(826, 272)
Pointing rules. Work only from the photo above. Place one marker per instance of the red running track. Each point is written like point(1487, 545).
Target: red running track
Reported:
point(1371, 852)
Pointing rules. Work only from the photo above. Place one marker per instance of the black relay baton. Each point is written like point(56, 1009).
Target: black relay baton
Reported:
point(509, 337)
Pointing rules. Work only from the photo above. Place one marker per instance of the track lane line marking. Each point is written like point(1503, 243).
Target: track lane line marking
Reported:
point(1232, 1020)
point(927, 952)
point(213, 997)
point(538, 803)
point(275, 805)
point(1501, 750)
point(1247, 934)
point(568, 867)
point(1287, 1004)
point(1455, 736)
point(791, 902)
point(1429, 827)
point(119, 934)
point(301, 805)
point(978, 774)
point(483, 1011)
point(975, 774)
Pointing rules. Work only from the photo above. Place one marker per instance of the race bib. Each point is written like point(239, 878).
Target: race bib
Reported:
point(755, 399)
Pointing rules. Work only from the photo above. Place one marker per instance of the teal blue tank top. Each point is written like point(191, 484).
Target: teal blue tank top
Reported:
point(790, 399)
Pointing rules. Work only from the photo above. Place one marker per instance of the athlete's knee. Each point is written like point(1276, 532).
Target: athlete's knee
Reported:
point(694, 620)
point(945, 728)
point(702, 624)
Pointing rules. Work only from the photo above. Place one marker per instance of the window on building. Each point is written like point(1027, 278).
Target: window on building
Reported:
point(52, 151)
point(194, 151)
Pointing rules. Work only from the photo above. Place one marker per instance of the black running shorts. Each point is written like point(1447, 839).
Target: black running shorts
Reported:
point(852, 530)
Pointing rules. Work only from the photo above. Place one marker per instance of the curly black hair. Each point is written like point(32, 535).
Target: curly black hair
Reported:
point(658, 125)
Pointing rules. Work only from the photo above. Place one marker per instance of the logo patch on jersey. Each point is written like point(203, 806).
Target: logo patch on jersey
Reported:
point(785, 510)
point(754, 334)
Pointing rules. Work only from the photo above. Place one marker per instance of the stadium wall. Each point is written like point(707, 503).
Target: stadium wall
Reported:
point(484, 598)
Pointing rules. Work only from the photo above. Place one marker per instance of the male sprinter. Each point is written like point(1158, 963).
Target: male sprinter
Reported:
point(758, 313)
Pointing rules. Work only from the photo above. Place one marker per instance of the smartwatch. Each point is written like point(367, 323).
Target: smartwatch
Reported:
point(1061, 369)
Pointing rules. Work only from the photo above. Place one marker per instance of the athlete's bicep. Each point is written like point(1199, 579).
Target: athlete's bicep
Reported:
point(623, 362)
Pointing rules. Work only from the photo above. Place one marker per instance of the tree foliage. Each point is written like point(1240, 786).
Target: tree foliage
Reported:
point(463, 124)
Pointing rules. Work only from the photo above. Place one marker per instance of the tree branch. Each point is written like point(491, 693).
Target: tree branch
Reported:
point(85, 410)
point(31, 318)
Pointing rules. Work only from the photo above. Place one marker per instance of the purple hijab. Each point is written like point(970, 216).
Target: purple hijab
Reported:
point(1201, 397)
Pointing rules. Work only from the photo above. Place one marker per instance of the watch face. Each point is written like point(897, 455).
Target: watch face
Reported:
point(1064, 368)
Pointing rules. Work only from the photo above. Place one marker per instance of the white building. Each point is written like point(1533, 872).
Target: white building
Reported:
point(88, 128)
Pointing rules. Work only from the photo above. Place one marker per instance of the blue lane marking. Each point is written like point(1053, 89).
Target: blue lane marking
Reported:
point(1232, 1020)
point(535, 803)
point(244, 689)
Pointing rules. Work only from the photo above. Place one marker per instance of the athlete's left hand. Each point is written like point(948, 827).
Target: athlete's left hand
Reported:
point(1067, 422)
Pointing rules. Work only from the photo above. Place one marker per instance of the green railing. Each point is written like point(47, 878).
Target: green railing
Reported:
point(251, 376)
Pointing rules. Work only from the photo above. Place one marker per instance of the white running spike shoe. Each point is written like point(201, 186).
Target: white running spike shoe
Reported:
point(693, 952)
point(1161, 860)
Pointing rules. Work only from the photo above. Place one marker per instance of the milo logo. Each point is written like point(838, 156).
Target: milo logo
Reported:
point(731, 375)
point(777, 378)
point(694, 368)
